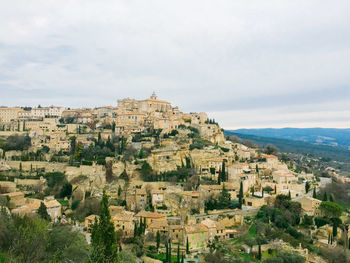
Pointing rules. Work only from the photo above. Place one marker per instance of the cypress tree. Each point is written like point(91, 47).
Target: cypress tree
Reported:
point(275, 189)
point(166, 251)
point(135, 230)
point(178, 253)
point(158, 239)
point(314, 193)
point(42, 212)
point(335, 229)
point(307, 187)
point(325, 198)
point(259, 252)
point(182, 258)
point(187, 246)
point(103, 236)
point(223, 172)
point(240, 195)
point(169, 251)
point(331, 198)
point(119, 191)
point(289, 195)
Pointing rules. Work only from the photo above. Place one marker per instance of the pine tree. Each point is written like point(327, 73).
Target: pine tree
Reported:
point(42, 212)
point(314, 193)
point(103, 236)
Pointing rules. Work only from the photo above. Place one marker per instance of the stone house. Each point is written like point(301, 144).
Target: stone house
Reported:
point(176, 233)
point(150, 217)
point(16, 199)
point(309, 205)
point(140, 198)
point(89, 221)
point(53, 207)
point(215, 229)
point(157, 198)
point(197, 237)
point(124, 221)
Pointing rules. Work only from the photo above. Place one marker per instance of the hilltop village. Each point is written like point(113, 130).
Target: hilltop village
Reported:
point(172, 180)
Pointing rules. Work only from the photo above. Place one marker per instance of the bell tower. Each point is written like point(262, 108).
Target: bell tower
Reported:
point(154, 96)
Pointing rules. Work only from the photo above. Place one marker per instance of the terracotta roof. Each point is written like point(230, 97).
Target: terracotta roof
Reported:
point(149, 215)
point(269, 156)
point(158, 224)
point(196, 228)
point(209, 223)
point(13, 194)
point(124, 216)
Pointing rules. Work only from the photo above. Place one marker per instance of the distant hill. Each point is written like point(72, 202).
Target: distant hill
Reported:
point(337, 153)
point(320, 136)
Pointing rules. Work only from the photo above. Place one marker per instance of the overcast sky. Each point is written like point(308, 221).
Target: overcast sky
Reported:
point(271, 63)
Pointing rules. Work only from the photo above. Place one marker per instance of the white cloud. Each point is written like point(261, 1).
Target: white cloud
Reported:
point(223, 57)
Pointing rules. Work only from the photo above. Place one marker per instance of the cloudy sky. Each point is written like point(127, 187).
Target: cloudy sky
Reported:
point(271, 63)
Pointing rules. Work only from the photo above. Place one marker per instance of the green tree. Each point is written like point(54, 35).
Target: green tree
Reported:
point(325, 197)
point(259, 252)
point(187, 246)
point(158, 240)
point(146, 171)
point(224, 198)
point(240, 195)
point(330, 209)
point(178, 253)
point(103, 236)
point(307, 187)
point(66, 190)
point(314, 193)
point(119, 191)
point(67, 245)
point(42, 212)
point(223, 172)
